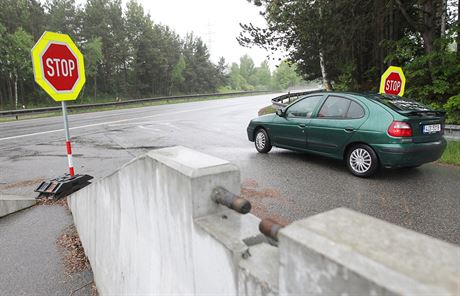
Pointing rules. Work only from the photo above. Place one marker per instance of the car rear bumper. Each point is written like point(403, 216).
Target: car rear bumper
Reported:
point(409, 154)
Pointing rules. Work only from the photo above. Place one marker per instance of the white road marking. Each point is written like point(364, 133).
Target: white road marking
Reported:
point(149, 122)
point(107, 123)
point(150, 128)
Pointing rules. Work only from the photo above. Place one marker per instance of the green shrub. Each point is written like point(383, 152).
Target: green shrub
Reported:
point(434, 78)
point(346, 81)
point(453, 109)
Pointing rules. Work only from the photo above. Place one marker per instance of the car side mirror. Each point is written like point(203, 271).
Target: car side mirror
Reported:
point(280, 112)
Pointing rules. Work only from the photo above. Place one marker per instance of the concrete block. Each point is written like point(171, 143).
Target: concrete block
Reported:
point(13, 203)
point(342, 252)
point(137, 225)
point(206, 171)
point(231, 229)
point(259, 272)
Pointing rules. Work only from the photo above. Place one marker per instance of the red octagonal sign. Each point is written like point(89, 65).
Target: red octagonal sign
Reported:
point(393, 81)
point(60, 67)
point(393, 84)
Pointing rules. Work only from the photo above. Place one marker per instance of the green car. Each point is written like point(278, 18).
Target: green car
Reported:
point(365, 130)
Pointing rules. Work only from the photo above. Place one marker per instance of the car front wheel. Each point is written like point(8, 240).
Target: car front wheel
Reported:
point(262, 141)
point(362, 160)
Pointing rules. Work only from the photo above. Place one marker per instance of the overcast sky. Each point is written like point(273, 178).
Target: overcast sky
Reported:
point(215, 21)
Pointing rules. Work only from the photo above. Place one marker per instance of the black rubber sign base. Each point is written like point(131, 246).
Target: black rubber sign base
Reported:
point(62, 186)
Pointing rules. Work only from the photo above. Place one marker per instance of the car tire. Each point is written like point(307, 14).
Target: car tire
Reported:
point(362, 161)
point(262, 141)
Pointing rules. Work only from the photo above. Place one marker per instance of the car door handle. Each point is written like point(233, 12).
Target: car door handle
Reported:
point(349, 129)
point(302, 125)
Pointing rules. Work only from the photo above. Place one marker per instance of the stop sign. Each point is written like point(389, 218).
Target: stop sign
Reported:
point(58, 66)
point(393, 84)
point(393, 81)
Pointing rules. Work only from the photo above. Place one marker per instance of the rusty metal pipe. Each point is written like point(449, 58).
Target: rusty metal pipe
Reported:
point(270, 228)
point(230, 200)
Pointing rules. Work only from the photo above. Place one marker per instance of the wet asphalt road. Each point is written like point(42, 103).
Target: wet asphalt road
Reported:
point(282, 184)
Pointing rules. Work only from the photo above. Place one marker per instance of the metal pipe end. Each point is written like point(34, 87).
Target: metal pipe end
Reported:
point(270, 228)
point(241, 205)
point(230, 200)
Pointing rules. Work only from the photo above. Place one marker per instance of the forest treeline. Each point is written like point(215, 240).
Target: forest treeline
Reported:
point(349, 43)
point(127, 55)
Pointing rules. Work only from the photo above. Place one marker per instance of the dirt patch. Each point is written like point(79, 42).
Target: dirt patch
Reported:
point(452, 165)
point(260, 197)
point(69, 243)
point(49, 202)
point(94, 291)
point(251, 183)
point(75, 259)
point(58, 202)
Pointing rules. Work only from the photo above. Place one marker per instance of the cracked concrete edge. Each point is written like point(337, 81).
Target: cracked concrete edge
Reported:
point(12, 203)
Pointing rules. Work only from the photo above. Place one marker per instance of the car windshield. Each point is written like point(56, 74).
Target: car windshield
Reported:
point(401, 104)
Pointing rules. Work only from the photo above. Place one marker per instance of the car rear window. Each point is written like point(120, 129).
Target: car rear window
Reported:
point(334, 107)
point(400, 103)
point(355, 111)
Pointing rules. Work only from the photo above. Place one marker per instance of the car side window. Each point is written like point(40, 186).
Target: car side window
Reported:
point(355, 111)
point(334, 107)
point(303, 108)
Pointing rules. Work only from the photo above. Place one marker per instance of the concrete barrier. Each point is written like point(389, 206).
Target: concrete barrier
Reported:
point(342, 252)
point(152, 228)
point(13, 203)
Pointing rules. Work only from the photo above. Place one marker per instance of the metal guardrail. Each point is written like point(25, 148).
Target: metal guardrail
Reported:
point(284, 100)
point(452, 132)
point(83, 106)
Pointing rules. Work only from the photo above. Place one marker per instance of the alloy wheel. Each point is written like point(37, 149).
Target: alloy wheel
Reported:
point(260, 140)
point(360, 160)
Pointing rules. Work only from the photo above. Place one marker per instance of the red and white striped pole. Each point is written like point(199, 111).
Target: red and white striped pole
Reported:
point(67, 139)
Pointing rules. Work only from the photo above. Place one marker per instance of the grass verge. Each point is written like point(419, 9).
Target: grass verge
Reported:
point(117, 107)
point(266, 110)
point(452, 153)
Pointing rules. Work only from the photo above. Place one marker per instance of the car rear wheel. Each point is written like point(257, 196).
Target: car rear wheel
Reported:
point(362, 160)
point(262, 141)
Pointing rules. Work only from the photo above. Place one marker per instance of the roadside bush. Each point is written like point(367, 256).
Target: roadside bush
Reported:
point(453, 109)
point(434, 78)
point(346, 80)
point(224, 89)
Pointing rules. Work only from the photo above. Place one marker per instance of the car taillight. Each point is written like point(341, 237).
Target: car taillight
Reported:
point(400, 129)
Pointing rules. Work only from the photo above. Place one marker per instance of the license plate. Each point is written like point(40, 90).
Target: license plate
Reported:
point(431, 128)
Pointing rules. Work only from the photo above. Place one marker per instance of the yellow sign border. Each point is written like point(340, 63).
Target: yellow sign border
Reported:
point(37, 51)
point(393, 69)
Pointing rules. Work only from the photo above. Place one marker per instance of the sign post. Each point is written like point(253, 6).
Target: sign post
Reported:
point(393, 81)
point(59, 69)
point(67, 139)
